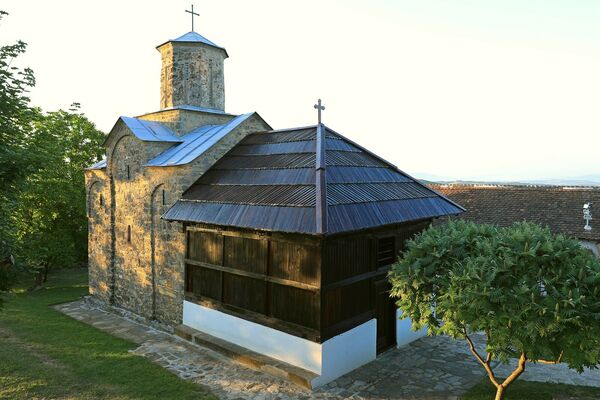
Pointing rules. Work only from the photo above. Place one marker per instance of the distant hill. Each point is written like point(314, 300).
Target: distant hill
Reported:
point(585, 180)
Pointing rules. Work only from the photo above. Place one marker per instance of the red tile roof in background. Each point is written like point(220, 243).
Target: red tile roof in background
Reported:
point(558, 207)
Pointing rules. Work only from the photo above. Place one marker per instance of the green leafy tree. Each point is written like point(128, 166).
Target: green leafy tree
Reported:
point(50, 217)
point(42, 157)
point(535, 295)
point(15, 159)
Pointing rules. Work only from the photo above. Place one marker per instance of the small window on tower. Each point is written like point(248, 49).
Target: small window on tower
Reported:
point(101, 200)
point(164, 198)
point(128, 233)
point(128, 173)
point(386, 251)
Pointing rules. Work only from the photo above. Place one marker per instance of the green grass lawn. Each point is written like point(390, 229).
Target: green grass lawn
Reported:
point(47, 355)
point(522, 390)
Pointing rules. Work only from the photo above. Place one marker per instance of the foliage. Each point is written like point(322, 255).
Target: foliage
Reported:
point(50, 216)
point(42, 157)
point(535, 295)
point(45, 354)
point(15, 115)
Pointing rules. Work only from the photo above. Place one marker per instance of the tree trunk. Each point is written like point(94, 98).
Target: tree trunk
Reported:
point(37, 280)
point(499, 392)
point(46, 270)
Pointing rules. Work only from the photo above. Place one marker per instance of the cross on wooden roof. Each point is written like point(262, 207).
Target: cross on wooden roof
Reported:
point(193, 14)
point(319, 107)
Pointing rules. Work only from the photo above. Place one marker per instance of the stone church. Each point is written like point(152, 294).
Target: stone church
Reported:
point(278, 241)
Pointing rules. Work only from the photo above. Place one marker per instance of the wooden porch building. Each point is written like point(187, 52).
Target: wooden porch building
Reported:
point(289, 238)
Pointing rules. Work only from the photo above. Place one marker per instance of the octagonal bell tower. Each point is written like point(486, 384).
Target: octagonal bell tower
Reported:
point(192, 73)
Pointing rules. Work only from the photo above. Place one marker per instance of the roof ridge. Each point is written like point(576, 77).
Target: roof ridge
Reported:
point(320, 181)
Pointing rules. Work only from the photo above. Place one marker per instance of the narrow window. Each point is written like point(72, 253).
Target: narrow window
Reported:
point(128, 233)
point(128, 173)
point(101, 200)
point(164, 198)
point(386, 251)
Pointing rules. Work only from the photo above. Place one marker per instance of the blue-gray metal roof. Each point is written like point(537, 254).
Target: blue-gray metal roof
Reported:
point(195, 143)
point(194, 37)
point(307, 180)
point(150, 131)
point(99, 165)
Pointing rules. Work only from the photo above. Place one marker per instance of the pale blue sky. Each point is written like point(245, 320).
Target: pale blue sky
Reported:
point(467, 89)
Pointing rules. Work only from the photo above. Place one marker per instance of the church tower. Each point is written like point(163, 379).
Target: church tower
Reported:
point(192, 73)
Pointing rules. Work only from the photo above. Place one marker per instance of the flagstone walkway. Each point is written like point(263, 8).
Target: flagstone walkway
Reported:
point(429, 368)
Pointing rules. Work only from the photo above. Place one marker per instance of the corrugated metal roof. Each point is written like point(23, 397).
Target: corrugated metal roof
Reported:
point(278, 176)
point(195, 143)
point(281, 219)
point(150, 131)
point(194, 37)
point(294, 195)
point(339, 186)
point(99, 165)
point(304, 146)
point(269, 161)
point(351, 217)
point(349, 159)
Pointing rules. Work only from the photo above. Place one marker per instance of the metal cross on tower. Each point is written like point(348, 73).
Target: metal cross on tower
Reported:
point(320, 108)
point(193, 14)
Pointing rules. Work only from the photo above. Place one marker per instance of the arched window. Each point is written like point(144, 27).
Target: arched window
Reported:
point(101, 201)
point(164, 197)
point(128, 233)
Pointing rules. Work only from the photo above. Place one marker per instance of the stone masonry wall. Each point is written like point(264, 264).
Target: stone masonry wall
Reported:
point(99, 247)
point(192, 74)
point(148, 266)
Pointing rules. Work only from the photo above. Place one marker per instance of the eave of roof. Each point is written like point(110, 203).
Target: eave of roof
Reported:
point(194, 37)
point(99, 165)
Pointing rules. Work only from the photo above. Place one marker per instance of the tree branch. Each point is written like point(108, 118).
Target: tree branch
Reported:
point(517, 372)
point(486, 363)
point(557, 361)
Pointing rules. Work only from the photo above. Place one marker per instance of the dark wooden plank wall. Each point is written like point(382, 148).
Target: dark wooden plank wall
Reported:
point(270, 279)
point(277, 280)
point(352, 263)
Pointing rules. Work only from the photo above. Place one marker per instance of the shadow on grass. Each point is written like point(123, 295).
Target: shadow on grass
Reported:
point(44, 353)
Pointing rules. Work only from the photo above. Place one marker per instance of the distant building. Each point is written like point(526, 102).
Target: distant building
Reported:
point(278, 241)
point(561, 208)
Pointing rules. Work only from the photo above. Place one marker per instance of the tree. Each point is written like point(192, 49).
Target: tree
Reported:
point(42, 190)
point(534, 295)
point(50, 216)
point(15, 160)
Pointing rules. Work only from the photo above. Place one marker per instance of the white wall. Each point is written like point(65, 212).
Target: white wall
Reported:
point(593, 247)
point(330, 359)
point(348, 351)
point(404, 332)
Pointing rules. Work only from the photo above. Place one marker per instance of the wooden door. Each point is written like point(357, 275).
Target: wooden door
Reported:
point(385, 312)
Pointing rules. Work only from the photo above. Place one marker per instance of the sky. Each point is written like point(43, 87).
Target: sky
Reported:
point(458, 89)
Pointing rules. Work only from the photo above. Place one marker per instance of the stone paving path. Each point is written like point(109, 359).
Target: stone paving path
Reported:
point(429, 368)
